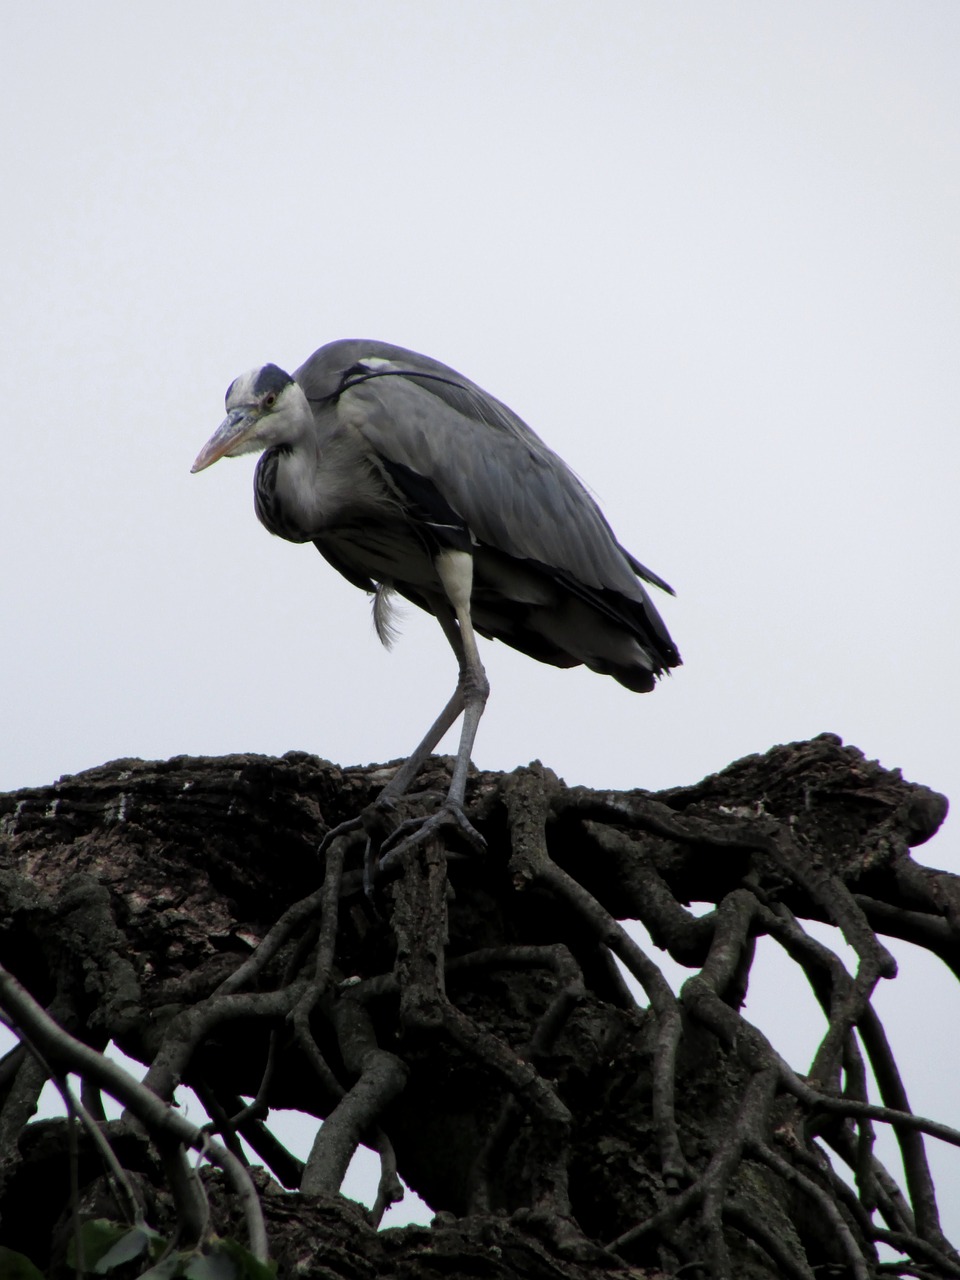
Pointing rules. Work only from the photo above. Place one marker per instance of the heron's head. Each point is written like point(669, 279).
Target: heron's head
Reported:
point(264, 407)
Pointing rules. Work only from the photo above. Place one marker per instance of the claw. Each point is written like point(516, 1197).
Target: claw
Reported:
point(386, 844)
point(415, 831)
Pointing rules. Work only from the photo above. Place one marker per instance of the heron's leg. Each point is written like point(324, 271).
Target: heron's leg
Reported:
point(400, 783)
point(469, 699)
point(401, 780)
point(455, 569)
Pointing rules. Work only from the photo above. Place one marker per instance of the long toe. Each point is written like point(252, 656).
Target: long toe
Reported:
point(417, 831)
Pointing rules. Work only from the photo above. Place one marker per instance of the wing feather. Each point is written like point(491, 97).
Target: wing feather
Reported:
point(510, 489)
point(484, 463)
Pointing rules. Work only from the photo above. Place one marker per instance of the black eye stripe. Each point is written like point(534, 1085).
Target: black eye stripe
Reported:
point(270, 379)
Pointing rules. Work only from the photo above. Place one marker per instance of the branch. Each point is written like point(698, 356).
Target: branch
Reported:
point(156, 1117)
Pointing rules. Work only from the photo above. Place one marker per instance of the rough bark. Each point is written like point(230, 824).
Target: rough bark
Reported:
point(469, 1022)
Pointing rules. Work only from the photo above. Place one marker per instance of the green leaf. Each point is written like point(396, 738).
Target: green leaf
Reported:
point(97, 1236)
point(134, 1242)
point(248, 1267)
point(164, 1269)
point(213, 1264)
point(15, 1266)
point(227, 1260)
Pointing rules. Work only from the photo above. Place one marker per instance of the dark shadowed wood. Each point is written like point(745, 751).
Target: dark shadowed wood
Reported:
point(470, 1023)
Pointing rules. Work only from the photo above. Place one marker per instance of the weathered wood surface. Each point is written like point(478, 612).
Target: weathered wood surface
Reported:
point(472, 1014)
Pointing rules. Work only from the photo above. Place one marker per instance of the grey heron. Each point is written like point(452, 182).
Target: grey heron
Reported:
point(407, 477)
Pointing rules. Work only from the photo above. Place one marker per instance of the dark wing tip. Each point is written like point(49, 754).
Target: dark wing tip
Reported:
point(646, 574)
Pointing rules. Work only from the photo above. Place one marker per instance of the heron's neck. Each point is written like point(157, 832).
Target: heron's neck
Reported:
point(286, 491)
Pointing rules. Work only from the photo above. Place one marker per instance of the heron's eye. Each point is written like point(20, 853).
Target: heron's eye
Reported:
point(270, 399)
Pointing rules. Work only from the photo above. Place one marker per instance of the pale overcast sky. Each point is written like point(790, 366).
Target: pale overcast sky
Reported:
point(709, 251)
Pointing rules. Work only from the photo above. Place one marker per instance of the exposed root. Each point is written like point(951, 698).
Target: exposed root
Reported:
point(474, 1028)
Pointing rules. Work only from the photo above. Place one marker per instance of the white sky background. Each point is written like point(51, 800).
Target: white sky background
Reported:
point(709, 251)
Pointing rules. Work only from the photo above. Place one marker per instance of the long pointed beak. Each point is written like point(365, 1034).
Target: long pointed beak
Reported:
point(231, 431)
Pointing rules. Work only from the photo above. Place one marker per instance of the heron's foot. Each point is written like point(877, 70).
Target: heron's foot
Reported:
point(386, 841)
point(375, 822)
point(416, 831)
